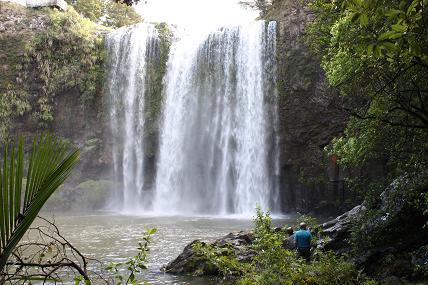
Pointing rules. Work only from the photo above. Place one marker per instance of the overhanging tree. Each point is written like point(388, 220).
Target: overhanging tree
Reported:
point(376, 54)
point(50, 163)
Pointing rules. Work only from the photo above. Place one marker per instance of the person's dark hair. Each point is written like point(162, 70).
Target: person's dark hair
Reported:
point(303, 226)
point(290, 231)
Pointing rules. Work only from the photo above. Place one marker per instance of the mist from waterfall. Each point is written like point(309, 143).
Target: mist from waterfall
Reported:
point(218, 143)
point(130, 49)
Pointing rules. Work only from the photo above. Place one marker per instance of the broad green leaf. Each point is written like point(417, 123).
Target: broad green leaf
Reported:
point(399, 28)
point(364, 20)
point(50, 163)
point(390, 35)
point(152, 231)
point(412, 7)
point(394, 13)
point(390, 47)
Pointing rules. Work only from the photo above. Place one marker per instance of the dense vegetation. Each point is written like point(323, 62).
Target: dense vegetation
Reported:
point(375, 53)
point(275, 265)
point(63, 52)
point(67, 55)
point(110, 13)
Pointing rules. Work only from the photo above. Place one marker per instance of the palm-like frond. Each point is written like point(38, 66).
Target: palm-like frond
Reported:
point(50, 163)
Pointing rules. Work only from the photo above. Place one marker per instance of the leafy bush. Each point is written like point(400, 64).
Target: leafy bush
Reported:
point(119, 14)
point(69, 54)
point(275, 265)
point(91, 9)
point(222, 260)
point(110, 13)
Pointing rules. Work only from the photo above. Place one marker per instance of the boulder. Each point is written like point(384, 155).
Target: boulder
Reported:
point(337, 232)
point(190, 262)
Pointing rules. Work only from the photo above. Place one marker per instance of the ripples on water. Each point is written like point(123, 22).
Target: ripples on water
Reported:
point(113, 238)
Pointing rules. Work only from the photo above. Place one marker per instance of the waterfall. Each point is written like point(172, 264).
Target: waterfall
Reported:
point(130, 50)
point(218, 142)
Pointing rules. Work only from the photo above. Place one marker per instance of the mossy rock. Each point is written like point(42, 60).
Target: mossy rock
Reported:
point(191, 263)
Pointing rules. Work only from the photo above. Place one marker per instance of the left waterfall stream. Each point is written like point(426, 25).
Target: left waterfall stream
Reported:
point(131, 50)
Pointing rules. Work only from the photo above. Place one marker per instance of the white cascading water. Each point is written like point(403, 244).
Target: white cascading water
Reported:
point(218, 143)
point(129, 51)
point(218, 136)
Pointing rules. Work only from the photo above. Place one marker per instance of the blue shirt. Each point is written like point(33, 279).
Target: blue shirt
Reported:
point(303, 239)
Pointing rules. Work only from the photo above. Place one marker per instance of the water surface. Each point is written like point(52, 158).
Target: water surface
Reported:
point(111, 237)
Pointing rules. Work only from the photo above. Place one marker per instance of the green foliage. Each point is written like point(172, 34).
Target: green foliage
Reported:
point(128, 2)
point(68, 55)
point(223, 259)
point(155, 69)
point(311, 222)
point(275, 265)
point(50, 163)
point(375, 53)
point(135, 264)
point(91, 9)
point(110, 13)
point(14, 102)
point(120, 14)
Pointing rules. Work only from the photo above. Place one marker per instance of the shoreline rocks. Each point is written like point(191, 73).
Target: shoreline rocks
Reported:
point(192, 263)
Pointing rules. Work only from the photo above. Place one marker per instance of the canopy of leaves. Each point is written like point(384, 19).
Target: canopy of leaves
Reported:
point(119, 14)
point(376, 54)
point(110, 13)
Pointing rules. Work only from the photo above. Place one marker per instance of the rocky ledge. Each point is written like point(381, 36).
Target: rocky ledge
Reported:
point(190, 262)
point(381, 262)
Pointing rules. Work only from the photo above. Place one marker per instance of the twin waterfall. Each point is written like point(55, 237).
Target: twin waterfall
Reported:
point(217, 150)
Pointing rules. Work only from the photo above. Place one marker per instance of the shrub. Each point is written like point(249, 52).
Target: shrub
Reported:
point(274, 265)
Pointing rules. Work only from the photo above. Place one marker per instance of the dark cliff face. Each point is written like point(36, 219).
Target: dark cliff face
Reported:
point(309, 114)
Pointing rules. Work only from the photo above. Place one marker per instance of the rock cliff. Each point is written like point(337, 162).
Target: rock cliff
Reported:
point(309, 113)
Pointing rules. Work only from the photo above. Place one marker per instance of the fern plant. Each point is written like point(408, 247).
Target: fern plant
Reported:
point(50, 162)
